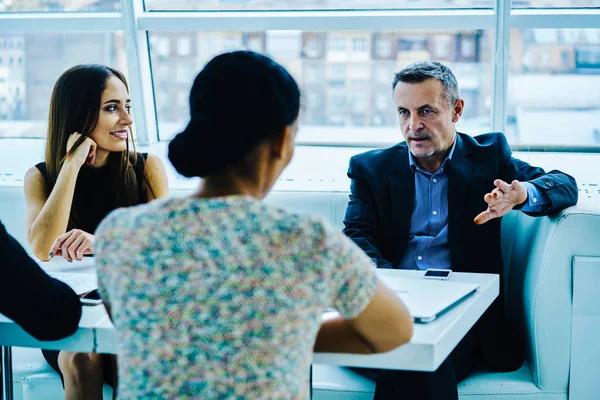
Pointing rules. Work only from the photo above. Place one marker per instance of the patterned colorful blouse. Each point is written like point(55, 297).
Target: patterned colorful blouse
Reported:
point(222, 298)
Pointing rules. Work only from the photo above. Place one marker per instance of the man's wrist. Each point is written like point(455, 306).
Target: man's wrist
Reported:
point(521, 205)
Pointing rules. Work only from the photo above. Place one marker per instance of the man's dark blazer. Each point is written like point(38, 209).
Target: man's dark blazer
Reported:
point(45, 307)
point(382, 201)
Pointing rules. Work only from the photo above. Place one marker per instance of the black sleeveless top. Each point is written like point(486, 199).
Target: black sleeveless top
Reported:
point(94, 196)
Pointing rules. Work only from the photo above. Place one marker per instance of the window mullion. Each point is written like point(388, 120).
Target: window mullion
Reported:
point(500, 64)
point(140, 73)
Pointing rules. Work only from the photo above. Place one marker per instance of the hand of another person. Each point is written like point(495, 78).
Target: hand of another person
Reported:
point(502, 199)
point(73, 245)
point(85, 153)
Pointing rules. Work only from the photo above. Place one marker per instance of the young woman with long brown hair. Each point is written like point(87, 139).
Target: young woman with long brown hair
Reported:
point(89, 171)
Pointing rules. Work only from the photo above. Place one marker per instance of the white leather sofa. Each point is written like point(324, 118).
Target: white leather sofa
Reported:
point(553, 286)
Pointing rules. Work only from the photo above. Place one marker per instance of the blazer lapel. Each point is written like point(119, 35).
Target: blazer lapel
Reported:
point(402, 193)
point(461, 166)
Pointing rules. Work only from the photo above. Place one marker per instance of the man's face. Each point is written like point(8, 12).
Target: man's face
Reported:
point(426, 118)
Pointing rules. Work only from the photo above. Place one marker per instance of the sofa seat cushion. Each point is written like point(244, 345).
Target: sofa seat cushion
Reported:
point(28, 361)
point(43, 386)
point(34, 379)
point(49, 387)
point(517, 385)
point(338, 383)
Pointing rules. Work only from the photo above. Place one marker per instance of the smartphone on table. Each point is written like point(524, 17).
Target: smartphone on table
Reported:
point(442, 274)
point(91, 298)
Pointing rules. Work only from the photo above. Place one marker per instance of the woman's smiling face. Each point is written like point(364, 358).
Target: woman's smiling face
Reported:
point(114, 120)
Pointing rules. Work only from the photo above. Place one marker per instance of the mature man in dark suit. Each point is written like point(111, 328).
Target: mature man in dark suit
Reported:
point(435, 201)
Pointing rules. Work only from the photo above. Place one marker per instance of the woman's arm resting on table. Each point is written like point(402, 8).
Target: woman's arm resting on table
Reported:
point(382, 326)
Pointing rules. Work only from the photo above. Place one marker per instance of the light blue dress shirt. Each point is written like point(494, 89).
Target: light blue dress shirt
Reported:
point(428, 236)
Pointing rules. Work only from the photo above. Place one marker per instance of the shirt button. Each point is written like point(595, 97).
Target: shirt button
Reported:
point(419, 258)
point(435, 213)
point(434, 180)
point(535, 199)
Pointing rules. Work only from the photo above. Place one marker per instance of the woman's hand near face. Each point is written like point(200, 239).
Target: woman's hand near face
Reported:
point(85, 153)
point(48, 213)
point(73, 245)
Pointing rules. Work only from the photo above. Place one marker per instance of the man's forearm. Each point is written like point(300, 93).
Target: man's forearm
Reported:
point(560, 190)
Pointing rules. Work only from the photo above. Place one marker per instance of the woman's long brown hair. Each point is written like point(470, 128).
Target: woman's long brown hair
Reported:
point(74, 107)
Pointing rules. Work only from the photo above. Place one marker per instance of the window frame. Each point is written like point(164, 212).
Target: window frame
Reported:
point(136, 23)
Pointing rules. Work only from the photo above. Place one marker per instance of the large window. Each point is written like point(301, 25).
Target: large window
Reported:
point(311, 4)
point(30, 63)
point(344, 84)
point(538, 82)
point(554, 87)
point(555, 3)
point(58, 5)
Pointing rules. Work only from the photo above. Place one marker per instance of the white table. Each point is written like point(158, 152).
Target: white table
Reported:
point(430, 345)
point(433, 342)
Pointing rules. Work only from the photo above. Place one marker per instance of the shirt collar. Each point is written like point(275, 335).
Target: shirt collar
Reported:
point(414, 166)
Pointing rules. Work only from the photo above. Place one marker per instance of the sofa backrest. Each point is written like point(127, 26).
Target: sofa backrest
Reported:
point(540, 286)
point(330, 205)
point(12, 211)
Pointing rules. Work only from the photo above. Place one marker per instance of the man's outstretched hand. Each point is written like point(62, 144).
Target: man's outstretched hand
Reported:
point(502, 199)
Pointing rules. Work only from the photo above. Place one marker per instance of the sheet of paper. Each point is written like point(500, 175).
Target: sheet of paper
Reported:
point(80, 283)
point(59, 264)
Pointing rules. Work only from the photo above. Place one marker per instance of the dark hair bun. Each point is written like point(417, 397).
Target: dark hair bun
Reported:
point(237, 101)
point(206, 146)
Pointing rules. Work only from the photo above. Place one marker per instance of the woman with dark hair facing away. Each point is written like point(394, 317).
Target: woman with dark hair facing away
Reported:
point(224, 296)
point(89, 170)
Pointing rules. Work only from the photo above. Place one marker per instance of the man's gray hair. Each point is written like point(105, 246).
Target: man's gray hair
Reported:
point(420, 71)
